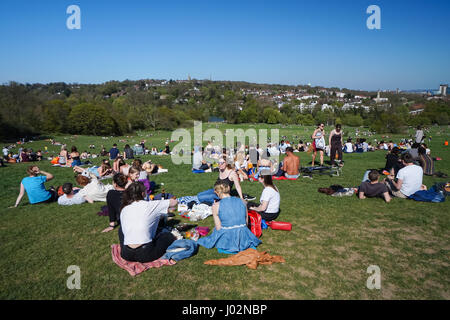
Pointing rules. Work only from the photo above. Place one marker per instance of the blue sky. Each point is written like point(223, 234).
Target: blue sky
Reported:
point(287, 42)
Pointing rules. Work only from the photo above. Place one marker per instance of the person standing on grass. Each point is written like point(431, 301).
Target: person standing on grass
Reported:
point(409, 178)
point(35, 188)
point(335, 141)
point(373, 188)
point(318, 143)
point(419, 136)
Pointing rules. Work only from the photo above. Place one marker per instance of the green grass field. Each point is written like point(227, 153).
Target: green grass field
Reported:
point(327, 253)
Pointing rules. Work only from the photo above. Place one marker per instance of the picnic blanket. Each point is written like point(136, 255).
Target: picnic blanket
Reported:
point(250, 257)
point(135, 268)
point(282, 178)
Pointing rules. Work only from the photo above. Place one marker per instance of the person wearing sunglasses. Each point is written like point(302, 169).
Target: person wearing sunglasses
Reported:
point(318, 143)
point(228, 176)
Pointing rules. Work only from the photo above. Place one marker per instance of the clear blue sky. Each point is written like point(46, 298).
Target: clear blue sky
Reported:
point(287, 42)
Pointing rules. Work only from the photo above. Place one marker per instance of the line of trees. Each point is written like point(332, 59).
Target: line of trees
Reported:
point(116, 108)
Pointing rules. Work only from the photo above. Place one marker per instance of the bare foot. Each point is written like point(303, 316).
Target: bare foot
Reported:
point(108, 229)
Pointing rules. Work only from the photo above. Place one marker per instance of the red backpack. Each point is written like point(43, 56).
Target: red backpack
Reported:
point(255, 223)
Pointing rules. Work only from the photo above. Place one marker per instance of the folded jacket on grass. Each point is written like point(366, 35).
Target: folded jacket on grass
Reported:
point(135, 268)
point(250, 257)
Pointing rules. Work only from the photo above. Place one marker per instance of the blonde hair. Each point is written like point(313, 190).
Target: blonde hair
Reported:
point(240, 158)
point(221, 188)
point(147, 166)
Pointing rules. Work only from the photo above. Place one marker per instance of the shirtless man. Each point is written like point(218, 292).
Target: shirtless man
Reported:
point(291, 164)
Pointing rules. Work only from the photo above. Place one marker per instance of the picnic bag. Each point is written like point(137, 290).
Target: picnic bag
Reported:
point(255, 223)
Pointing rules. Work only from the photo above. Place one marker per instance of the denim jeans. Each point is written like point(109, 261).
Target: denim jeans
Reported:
point(207, 196)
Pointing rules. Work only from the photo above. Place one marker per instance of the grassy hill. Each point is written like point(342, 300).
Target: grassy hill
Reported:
point(328, 251)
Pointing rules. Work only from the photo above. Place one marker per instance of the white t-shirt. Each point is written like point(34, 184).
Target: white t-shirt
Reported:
point(419, 136)
point(95, 190)
point(273, 198)
point(5, 151)
point(348, 147)
point(412, 179)
point(76, 199)
point(140, 220)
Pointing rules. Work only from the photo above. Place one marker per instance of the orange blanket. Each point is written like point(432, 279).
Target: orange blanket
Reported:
point(250, 257)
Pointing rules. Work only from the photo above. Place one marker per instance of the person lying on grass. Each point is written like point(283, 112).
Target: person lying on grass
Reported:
point(92, 187)
point(150, 168)
point(72, 196)
point(139, 219)
point(373, 188)
point(101, 171)
point(269, 207)
point(231, 234)
point(114, 200)
point(35, 188)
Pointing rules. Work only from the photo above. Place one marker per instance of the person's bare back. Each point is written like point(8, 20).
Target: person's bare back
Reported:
point(291, 164)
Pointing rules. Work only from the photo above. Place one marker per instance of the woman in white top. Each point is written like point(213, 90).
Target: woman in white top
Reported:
point(269, 207)
point(318, 143)
point(93, 189)
point(63, 155)
point(139, 221)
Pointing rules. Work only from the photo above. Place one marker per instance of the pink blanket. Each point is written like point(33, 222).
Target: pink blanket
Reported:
point(135, 268)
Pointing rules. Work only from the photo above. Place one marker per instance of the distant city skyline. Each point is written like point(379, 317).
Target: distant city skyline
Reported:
point(324, 43)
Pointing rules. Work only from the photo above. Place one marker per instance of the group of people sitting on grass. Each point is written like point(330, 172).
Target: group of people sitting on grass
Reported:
point(23, 155)
point(141, 219)
point(137, 149)
point(141, 233)
point(402, 184)
point(404, 170)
